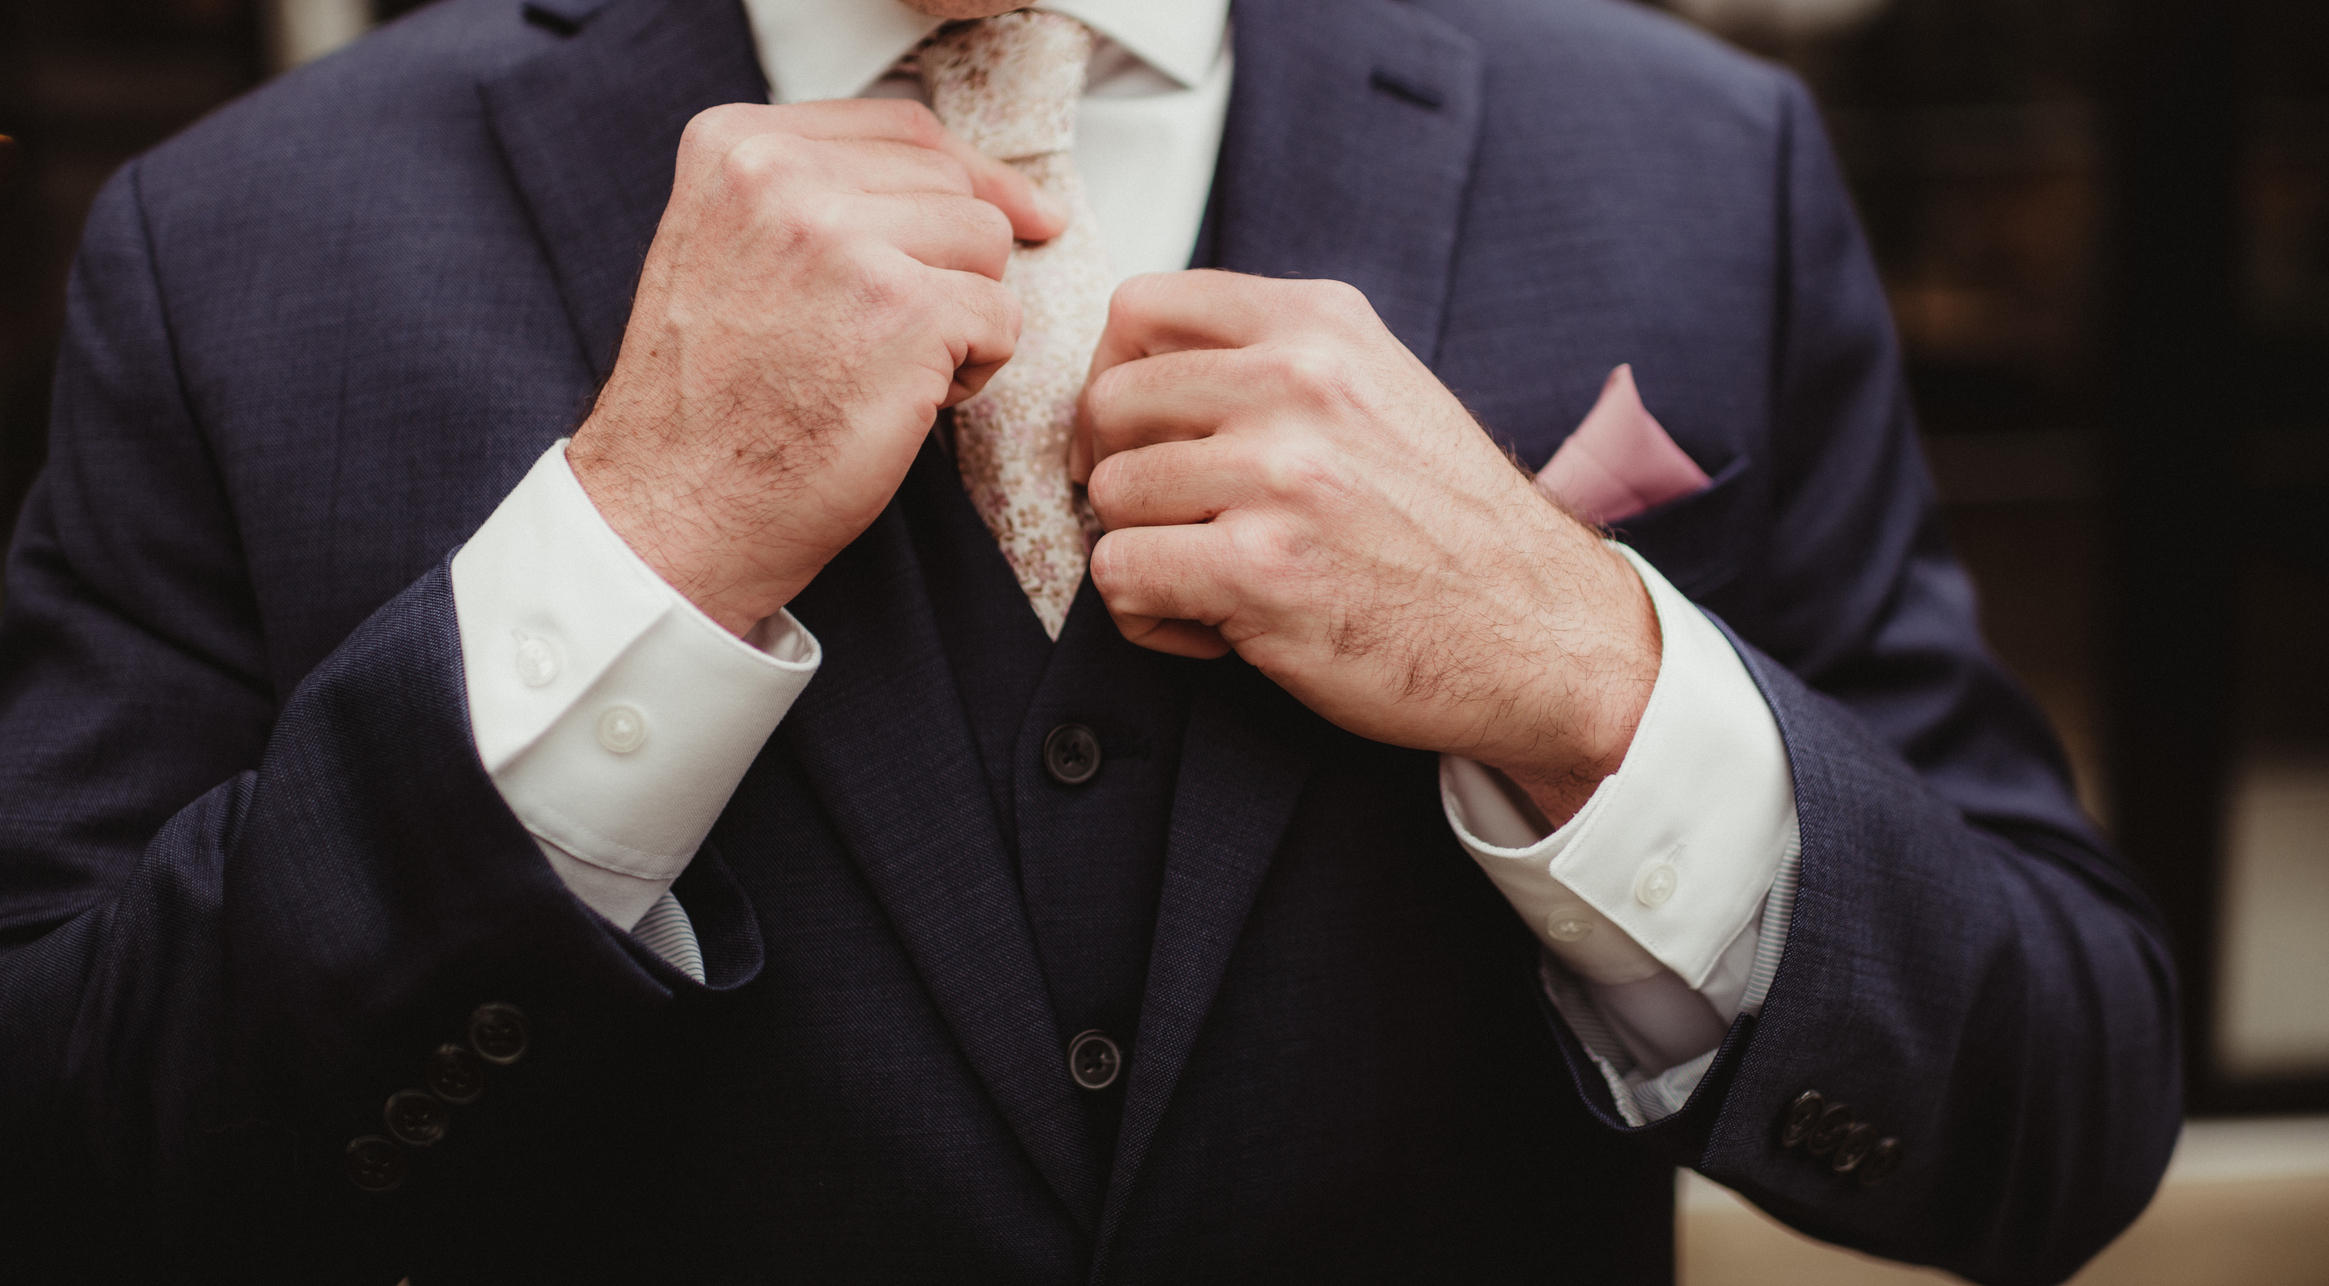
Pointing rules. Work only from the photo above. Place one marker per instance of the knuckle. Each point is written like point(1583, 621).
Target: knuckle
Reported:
point(914, 121)
point(1314, 374)
point(1264, 548)
point(949, 174)
point(819, 221)
point(1002, 308)
point(759, 162)
point(1111, 482)
point(1129, 304)
point(1337, 299)
point(1103, 400)
point(708, 127)
point(990, 223)
point(1298, 471)
point(883, 284)
point(1109, 572)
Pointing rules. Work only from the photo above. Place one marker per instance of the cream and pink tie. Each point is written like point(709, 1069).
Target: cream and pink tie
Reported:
point(1009, 86)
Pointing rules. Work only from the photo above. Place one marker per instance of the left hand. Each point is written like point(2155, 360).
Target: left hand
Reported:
point(1281, 477)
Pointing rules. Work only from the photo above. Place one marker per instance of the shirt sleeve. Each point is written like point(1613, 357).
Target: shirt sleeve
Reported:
point(613, 715)
point(1661, 905)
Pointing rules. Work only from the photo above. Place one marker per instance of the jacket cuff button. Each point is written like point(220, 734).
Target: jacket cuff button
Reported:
point(1797, 1118)
point(455, 1075)
point(1829, 1132)
point(416, 1119)
point(375, 1165)
point(1883, 1159)
point(498, 1033)
point(1858, 1142)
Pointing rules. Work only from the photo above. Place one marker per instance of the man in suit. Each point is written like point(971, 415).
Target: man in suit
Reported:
point(752, 855)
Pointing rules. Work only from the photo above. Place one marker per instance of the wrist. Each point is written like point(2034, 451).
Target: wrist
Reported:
point(1595, 701)
point(732, 585)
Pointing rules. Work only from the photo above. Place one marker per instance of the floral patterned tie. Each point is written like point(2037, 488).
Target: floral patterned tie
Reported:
point(1009, 85)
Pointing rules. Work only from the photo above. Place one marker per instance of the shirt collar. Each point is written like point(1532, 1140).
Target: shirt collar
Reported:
point(816, 49)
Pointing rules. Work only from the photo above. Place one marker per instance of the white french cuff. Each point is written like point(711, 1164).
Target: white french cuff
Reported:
point(1677, 848)
point(614, 716)
point(1666, 871)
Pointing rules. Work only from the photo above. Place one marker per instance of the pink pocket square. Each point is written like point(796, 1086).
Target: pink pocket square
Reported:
point(1619, 462)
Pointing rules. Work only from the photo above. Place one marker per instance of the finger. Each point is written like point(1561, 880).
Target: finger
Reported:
point(1206, 308)
point(1171, 397)
point(980, 321)
point(888, 166)
point(1034, 216)
point(1166, 574)
point(954, 233)
point(1171, 484)
point(944, 163)
point(1173, 638)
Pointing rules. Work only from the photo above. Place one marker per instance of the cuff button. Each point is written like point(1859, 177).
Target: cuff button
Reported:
point(1883, 1159)
point(1656, 885)
point(622, 729)
point(416, 1119)
point(1796, 1122)
point(1569, 924)
point(498, 1033)
point(1858, 1142)
point(537, 662)
point(375, 1165)
point(1830, 1130)
point(455, 1075)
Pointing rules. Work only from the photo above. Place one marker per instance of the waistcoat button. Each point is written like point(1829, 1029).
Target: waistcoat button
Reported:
point(1071, 754)
point(1094, 1060)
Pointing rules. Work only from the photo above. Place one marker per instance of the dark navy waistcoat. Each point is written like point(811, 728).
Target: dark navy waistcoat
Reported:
point(1089, 855)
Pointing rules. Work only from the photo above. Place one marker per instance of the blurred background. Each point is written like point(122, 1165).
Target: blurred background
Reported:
point(2104, 226)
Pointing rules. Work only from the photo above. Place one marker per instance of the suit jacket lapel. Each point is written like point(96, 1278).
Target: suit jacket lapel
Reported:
point(1241, 776)
point(1352, 129)
point(883, 738)
point(1348, 150)
point(591, 129)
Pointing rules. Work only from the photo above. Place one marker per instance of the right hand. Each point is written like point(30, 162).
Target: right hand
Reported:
point(826, 277)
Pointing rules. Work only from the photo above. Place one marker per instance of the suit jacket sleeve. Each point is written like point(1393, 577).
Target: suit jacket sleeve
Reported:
point(1968, 969)
point(233, 920)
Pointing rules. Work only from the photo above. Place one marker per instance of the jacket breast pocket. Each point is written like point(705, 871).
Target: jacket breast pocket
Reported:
point(1698, 541)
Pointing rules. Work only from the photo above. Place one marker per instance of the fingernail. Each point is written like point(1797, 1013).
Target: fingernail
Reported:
point(1054, 207)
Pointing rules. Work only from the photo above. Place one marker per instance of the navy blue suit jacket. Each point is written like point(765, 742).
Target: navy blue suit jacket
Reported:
point(251, 870)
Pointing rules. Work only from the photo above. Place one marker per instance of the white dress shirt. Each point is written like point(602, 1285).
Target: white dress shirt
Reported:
point(616, 719)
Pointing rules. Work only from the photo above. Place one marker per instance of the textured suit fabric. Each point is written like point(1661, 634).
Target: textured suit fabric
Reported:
point(251, 870)
point(1089, 858)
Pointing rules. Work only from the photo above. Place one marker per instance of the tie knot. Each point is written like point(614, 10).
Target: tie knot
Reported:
point(1009, 84)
